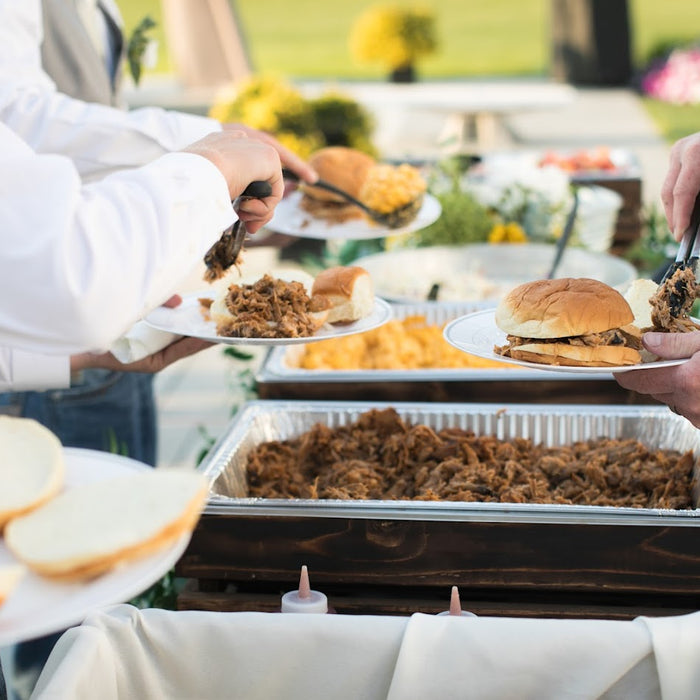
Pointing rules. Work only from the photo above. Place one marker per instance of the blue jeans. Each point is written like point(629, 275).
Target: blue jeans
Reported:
point(102, 410)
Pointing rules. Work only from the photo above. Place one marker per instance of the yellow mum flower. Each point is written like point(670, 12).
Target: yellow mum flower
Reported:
point(511, 232)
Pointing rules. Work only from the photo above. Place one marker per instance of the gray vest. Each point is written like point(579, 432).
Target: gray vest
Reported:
point(69, 56)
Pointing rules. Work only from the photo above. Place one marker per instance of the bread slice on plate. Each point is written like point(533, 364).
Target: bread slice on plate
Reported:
point(32, 468)
point(94, 527)
point(10, 576)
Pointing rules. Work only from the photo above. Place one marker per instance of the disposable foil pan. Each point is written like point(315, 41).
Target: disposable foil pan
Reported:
point(282, 362)
point(552, 425)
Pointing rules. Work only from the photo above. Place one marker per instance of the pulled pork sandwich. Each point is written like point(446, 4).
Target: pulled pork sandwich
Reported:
point(568, 321)
point(347, 169)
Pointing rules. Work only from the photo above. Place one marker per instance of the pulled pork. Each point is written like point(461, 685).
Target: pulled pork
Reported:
point(270, 308)
point(380, 456)
point(673, 302)
point(629, 336)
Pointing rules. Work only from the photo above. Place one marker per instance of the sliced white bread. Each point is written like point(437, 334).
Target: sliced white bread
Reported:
point(95, 527)
point(10, 576)
point(32, 468)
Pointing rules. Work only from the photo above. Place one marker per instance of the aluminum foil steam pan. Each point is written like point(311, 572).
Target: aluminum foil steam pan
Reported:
point(552, 425)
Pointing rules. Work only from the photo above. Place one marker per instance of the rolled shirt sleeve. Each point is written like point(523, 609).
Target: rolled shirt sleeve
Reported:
point(27, 371)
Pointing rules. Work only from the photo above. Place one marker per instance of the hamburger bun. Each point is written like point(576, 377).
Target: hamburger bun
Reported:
point(576, 355)
point(561, 308)
point(346, 168)
point(10, 576)
point(92, 528)
point(33, 468)
point(350, 291)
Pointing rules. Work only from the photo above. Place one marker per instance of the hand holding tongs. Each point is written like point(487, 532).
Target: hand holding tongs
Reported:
point(686, 258)
point(224, 253)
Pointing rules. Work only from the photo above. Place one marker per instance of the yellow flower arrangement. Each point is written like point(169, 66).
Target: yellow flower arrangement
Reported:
point(273, 105)
point(393, 36)
point(510, 232)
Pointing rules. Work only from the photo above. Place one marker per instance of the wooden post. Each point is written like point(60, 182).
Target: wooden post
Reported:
point(206, 42)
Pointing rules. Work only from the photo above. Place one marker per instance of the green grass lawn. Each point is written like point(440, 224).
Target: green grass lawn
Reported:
point(303, 39)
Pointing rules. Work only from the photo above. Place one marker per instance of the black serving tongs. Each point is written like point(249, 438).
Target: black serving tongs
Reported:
point(224, 253)
point(679, 293)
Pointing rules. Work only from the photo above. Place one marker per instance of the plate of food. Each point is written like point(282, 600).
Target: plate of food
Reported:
point(395, 190)
point(285, 307)
point(47, 597)
point(574, 325)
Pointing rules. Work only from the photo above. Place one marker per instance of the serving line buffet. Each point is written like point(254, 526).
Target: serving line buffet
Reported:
point(556, 508)
point(378, 553)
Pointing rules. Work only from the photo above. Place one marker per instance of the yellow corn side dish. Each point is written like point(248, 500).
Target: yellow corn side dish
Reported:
point(389, 187)
point(410, 343)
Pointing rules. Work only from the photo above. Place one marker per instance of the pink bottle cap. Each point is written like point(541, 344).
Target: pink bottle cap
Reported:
point(456, 606)
point(304, 600)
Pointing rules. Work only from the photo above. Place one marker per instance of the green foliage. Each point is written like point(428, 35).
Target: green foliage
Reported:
point(463, 218)
point(162, 594)
point(136, 46)
point(343, 122)
point(655, 244)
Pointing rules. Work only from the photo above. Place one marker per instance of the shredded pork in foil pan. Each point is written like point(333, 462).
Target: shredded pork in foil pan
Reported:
point(381, 456)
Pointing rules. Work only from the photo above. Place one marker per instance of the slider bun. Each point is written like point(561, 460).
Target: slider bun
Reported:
point(349, 290)
point(638, 296)
point(562, 307)
point(220, 314)
point(343, 167)
point(576, 355)
point(32, 466)
point(97, 526)
point(10, 576)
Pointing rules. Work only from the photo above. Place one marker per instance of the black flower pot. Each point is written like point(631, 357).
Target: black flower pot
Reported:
point(404, 74)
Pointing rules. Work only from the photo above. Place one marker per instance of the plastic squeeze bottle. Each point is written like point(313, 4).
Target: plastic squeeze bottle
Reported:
point(304, 600)
point(456, 606)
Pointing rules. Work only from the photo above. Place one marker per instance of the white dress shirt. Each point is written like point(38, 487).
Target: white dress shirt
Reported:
point(82, 262)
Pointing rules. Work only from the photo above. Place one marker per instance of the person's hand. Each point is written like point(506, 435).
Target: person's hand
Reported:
point(682, 183)
point(288, 158)
point(678, 387)
point(241, 161)
point(177, 350)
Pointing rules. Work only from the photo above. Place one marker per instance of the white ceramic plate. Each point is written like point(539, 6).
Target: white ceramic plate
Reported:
point(477, 333)
point(291, 219)
point(39, 606)
point(187, 319)
point(481, 272)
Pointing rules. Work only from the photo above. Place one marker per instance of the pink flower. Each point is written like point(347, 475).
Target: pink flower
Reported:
point(677, 80)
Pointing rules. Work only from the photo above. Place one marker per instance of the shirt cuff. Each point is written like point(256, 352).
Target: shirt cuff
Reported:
point(34, 372)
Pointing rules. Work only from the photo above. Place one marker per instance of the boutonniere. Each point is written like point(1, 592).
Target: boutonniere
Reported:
point(138, 46)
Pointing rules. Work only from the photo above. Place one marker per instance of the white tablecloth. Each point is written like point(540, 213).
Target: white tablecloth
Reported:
point(127, 653)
